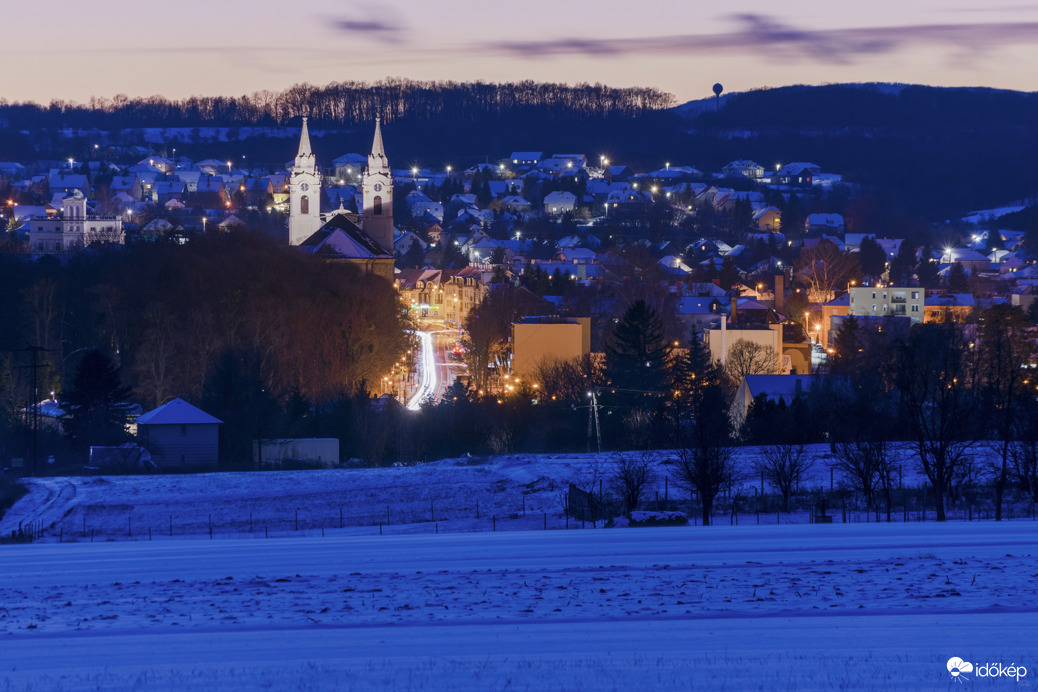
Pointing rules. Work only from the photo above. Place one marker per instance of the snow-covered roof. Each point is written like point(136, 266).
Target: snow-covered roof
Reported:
point(177, 412)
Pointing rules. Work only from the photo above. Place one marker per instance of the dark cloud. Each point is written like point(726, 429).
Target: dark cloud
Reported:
point(760, 34)
point(381, 23)
point(382, 31)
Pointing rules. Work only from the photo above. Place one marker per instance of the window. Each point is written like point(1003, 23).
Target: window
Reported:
point(915, 308)
point(915, 295)
point(183, 430)
point(304, 205)
point(874, 297)
point(377, 206)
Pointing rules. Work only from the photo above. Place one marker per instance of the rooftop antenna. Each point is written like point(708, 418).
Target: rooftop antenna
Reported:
point(717, 96)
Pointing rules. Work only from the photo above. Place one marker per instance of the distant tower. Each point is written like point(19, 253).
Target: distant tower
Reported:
point(377, 221)
point(304, 193)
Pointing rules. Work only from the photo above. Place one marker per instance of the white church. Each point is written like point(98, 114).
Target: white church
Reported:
point(336, 236)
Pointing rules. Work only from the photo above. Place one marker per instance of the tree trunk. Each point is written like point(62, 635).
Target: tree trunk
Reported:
point(938, 505)
point(708, 507)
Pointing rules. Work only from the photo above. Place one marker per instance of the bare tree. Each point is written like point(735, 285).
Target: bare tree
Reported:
point(750, 358)
point(825, 267)
point(867, 464)
point(783, 466)
point(935, 376)
point(1005, 349)
point(632, 475)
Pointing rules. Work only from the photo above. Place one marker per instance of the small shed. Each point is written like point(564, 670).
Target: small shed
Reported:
point(180, 435)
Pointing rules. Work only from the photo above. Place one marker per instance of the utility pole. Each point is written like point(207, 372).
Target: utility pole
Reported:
point(592, 420)
point(33, 410)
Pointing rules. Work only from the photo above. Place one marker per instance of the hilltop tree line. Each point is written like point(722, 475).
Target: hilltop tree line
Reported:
point(345, 103)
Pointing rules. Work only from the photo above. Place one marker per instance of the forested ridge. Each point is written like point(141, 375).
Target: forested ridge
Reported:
point(344, 103)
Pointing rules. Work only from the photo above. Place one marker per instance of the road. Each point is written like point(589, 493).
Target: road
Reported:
point(435, 369)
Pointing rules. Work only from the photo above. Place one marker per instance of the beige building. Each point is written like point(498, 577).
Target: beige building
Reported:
point(536, 340)
point(792, 349)
point(887, 301)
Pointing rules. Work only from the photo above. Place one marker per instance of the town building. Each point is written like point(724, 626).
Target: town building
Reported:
point(74, 228)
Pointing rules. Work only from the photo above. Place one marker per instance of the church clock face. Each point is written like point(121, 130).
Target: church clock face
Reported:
point(378, 187)
point(304, 187)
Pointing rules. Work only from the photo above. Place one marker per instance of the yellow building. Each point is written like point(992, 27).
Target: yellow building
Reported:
point(536, 340)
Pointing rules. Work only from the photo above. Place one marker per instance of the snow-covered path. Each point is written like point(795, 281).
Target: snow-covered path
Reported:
point(780, 607)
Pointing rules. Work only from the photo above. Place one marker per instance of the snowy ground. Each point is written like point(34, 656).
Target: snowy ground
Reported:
point(510, 492)
point(772, 607)
point(776, 607)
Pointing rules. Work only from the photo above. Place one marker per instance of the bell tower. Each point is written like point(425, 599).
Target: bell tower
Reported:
point(304, 193)
point(377, 221)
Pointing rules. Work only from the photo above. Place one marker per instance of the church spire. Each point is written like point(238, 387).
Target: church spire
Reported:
point(377, 161)
point(305, 157)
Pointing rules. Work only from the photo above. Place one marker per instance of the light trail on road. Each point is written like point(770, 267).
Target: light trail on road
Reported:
point(428, 383)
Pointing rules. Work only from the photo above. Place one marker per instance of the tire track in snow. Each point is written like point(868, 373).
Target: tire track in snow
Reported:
point(47, 502)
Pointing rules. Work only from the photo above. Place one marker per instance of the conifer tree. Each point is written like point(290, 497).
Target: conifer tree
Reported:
point(636, 355)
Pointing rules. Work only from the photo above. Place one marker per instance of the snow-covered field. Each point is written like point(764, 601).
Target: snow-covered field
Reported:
point(776, 607)
point(510, 492)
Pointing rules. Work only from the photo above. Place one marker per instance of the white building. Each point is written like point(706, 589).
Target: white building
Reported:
point(304, 193)
point(73, 229)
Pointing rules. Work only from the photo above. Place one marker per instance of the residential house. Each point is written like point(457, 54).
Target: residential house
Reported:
point(768, 219)
point(745, 168)
point(775, 387)
point(878, 301)
point(824, 223)
point(949, 307)
point(179, 435)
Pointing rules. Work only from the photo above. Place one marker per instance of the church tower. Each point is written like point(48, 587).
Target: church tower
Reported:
point(377, 221)
point(304, 193)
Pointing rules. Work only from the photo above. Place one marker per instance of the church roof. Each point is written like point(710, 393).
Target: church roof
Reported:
point(377, 161)
point(305, 160)
point(340, 238)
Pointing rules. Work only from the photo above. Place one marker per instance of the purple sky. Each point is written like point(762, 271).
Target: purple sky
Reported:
point(190, 47)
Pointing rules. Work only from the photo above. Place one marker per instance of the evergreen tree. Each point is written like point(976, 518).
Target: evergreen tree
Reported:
point(637, 351)
point(872, 258)
point(958, 279)
point(95, 406)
